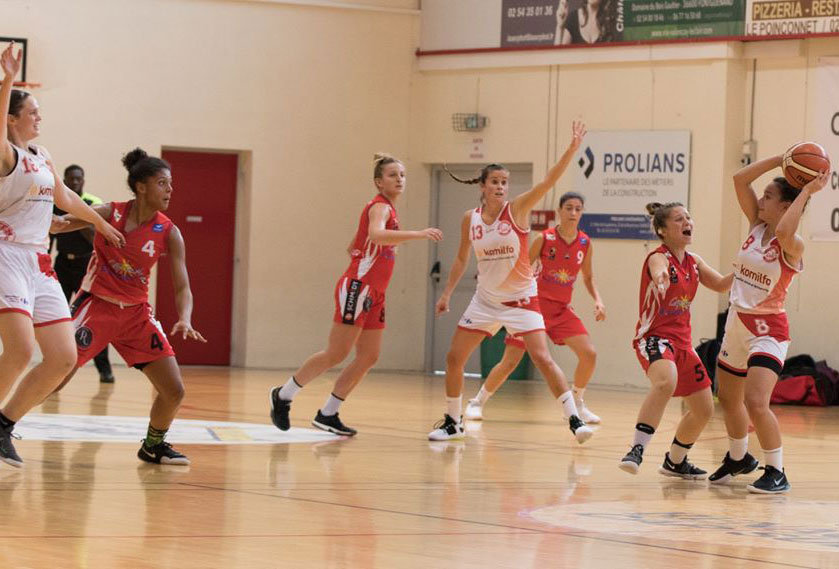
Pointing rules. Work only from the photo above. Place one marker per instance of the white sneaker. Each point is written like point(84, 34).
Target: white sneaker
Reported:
point(581, 431)
point(474, 411)
point(585, 413)
point(446, 430)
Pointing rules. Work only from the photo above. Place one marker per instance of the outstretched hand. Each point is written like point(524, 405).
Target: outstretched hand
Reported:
point(578, 132)
point(58, 224)
point(9, 63)
point(187, 331)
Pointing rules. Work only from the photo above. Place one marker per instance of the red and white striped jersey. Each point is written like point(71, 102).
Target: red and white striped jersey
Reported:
point(26, 200)
point(561, 263)
point(373, 263)
point(668, 315)
point(504, 272)
point(122, 273)
point(762, 275)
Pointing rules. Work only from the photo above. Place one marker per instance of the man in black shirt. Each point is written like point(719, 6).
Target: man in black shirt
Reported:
point(74, 251)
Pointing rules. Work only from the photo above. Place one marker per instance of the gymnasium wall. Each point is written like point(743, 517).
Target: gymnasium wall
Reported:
point(312, 91)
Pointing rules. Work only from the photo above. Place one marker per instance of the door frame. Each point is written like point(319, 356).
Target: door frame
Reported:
point(435, 171)
point(241, 247)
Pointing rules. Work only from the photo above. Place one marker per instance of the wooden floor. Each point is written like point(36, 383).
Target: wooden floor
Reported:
point(518, 493)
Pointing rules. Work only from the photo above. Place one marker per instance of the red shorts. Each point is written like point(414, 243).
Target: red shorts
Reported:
point(359, 304)
point(132, 330)
point(560, 322)
point(692, 375)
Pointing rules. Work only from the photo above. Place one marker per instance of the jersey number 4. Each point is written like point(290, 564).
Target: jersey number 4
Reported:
point(148, 248)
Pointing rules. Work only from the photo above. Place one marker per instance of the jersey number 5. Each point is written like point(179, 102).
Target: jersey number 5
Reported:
point(148, 248)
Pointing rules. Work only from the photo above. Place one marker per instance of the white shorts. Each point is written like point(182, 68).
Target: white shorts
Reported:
point(518, 317)
point(754, 340)
point(28, 285)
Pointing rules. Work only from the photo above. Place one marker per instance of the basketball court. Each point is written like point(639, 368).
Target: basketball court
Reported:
point(269, 112)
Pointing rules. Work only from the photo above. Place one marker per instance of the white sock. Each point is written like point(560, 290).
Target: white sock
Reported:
point(643, 434)
point(774, 458)
point(737, 448)
point(578, 393)
point(332, 405)
point(290, 389)
point(568, 406)
point(483, 395)
point(454, 406)
point(678, 451)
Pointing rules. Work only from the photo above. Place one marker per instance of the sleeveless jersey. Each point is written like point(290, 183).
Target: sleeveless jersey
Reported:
point(372, 263)
point(26, 200)
point(503, 264)
point(668, 317)
point(762, 276)
point(561, 263)
point(123, 273)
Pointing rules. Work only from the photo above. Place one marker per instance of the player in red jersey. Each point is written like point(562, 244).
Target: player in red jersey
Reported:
point(32, 307)
point(112, 305)
point(563, 252)
point(359, 319)
point(506, 292)
point(669, 280)
point(757, 331)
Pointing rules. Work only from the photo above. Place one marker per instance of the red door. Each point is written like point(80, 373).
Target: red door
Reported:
point(203, 207)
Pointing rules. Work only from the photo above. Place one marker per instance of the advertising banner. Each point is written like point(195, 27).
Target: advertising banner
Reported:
point(620, 172)
point(791, 17)
point(823, 209)
point(564, 22)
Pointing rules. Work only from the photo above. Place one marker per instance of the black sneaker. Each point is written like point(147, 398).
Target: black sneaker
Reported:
point(731, 468)
point(106, 377)
point(446, 430)
point(332, 424)
point(773, 481)
point(582, 432)
point(633, 459)
point(161, 453)
point(684, 469)
point(279, 410)
point(8, 454)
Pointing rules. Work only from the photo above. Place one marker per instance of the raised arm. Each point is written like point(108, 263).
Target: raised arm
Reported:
point(791, 243)
point(73, 223)
point(180, 281)
point(10, 66)
point(69, 201)
point(458, 266)
point(710, 278)
point(378, 215)
point(521, 205)
point(743, 178)
point(588, 280)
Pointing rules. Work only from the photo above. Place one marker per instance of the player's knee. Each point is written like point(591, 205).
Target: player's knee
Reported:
point(703, 411)
point(755, 402)
point(541, 358)
point(665, 385)
point(588, 355)
point(61, 362)
point(17, 358)
point(454, 360)
point(174, 393)
point(368, 357)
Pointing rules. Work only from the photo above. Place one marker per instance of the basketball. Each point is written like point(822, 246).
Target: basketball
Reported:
point(803, 162)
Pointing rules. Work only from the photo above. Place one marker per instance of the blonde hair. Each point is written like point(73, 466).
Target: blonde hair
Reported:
point(380, 160)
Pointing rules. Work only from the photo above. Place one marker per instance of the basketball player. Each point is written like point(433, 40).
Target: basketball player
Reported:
point(506, 293)
point(359, 319)
point(73, 252)
point(757, 331)
point(112, 305)
point(32, 306)
point(669, 280)
point(562, 251)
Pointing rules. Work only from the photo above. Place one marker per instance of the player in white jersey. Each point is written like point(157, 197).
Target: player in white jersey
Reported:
point(757, 332)
point(506, 294)
point(32, 305)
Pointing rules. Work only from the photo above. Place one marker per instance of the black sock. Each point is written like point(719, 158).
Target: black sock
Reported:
point(5, 422)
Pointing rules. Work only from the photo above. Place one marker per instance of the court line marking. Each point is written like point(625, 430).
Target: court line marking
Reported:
point(535, 531)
